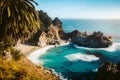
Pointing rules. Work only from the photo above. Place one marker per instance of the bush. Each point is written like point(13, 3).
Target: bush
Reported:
point(16, 54)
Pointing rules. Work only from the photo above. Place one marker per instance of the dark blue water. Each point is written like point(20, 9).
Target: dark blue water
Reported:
point(72, 62)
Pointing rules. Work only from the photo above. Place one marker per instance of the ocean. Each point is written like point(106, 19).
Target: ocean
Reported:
point(108, 27)
point(72, 62)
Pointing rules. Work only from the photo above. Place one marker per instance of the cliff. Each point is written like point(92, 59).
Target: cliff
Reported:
point(50, 37)
point(48, 34)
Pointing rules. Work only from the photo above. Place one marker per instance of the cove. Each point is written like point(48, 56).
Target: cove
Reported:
point(73, 63)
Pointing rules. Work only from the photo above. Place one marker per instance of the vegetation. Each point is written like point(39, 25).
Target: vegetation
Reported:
point(20, 20)
point(57, 22)
point(17, 21)
point(22, 70)
point(16, 54)
point(45, 19)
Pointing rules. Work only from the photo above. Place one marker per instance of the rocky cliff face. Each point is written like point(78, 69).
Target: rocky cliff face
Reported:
point(95, 40)
point(50, 32)
point(109, 71)
point(50, 37)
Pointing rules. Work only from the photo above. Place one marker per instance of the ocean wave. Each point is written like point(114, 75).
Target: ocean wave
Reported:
point(82, 57)
point(111, 48)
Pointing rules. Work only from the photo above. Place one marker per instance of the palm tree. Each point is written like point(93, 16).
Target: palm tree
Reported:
point(18, 18)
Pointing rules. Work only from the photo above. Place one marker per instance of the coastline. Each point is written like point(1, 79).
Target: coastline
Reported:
point(34, 52)
point(34, 56)
point(26, 49)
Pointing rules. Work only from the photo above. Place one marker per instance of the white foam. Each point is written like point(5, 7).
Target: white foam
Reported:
point(82, 57)
point(63, 44)
point(111, 48)
point(57, 74)
point(34, 56)
point(95, 70)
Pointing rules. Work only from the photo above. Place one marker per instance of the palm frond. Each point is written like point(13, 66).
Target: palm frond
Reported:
point(18, 18)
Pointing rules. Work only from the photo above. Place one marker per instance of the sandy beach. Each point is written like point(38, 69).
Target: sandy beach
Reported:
point(26, 49)
point(34, 52)
point(34, 56)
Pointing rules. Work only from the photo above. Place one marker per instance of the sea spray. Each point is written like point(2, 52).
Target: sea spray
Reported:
point(111, 48)
point(82, 57)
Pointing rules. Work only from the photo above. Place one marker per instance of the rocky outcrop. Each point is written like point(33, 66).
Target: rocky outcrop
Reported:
point(52, 36)
point(72, 34)
point(109, 71)
point(50, 31)
point(95, 40)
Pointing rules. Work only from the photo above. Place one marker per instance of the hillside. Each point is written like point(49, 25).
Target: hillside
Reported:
point(23, 69)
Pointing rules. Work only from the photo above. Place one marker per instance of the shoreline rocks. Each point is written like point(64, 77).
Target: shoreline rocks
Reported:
point(108, 71)
point(95, 40)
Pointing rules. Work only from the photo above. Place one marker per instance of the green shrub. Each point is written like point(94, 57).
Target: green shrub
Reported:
point(16, 54)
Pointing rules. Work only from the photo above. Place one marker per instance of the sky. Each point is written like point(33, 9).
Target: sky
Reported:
point(81, 9)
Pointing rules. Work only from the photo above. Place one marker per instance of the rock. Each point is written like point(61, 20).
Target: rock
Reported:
point(50, 37)
point(42, 40)
point(97, 54)
point(58, 23)
point(70, 35)
point(6, 55)
point(95, 40)
point(50, 32)
point(108, 71)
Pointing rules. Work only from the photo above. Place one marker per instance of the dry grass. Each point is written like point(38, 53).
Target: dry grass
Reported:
point(23, 69)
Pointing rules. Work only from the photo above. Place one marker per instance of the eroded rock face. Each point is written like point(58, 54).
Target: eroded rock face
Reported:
point(42, 39)
point(95, 40)
point(108, 71)
point(50, 37)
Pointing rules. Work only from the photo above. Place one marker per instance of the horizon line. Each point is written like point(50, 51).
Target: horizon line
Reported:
point(90, 18)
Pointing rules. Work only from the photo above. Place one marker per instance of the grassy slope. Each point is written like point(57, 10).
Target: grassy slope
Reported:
point(23, 69)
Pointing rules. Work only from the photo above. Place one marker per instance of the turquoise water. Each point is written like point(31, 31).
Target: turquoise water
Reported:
point(72, 62)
